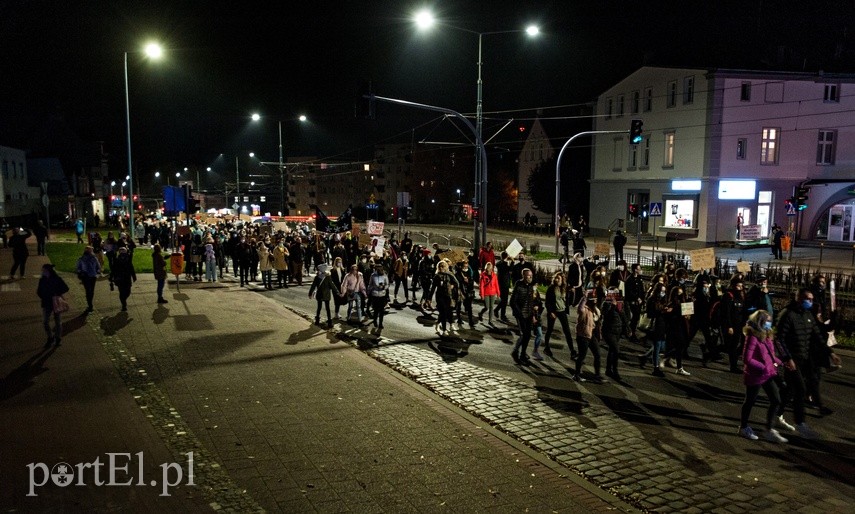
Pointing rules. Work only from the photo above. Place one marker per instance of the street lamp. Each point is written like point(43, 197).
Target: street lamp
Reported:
point(458, 195)
point(424, 20)
point(302, 118)
point(154, 52)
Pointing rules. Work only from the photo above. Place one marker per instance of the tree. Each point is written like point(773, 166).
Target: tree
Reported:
point(575, 188)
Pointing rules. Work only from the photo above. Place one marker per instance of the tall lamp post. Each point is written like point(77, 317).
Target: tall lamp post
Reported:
point(302, 119)
point(424, 20)
point(154, 51)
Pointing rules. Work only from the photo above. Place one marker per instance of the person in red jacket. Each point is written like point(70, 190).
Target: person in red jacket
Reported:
point(489, 290)
point(486, 255)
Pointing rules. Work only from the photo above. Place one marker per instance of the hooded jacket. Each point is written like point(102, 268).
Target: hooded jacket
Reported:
point(760, 361)
point(796, 328)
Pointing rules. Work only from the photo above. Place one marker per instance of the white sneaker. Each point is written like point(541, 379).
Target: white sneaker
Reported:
point(806, 431)
point(780, 422)
point(438, 330)
point(670, 362)
point(748, 434)
point(681, 371)
point(774, 437)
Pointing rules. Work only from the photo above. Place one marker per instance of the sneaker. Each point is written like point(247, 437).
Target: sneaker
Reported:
point(536, 356)
point(748, 434)
point(670, 362)
point(515, 357)
point(681, 371)
point(547, 351)
point(774, 437)
point(578, 378)
point(658, 372)
point(437, 329)
point(642, 360)
point(806, 431)
point(780, 422)
point(598, 379)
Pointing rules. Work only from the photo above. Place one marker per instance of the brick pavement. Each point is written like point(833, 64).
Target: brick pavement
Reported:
point(286, 417)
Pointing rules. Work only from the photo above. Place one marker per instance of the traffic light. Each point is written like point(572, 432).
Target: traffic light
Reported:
point(802, 198)
point(645, 209)
point(633, 210)
point(635, 136)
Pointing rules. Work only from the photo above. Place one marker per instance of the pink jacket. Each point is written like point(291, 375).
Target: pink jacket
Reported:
point(759, 360)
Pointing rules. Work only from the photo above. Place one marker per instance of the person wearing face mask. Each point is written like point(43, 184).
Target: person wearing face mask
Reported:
point(819, 349)
point(760, 371)
point(323, 286)
point(701, 319)
point(402, 269)
point(522, 305)
point(678, 330)
point(797, 333)
point(281, 255)
point(337, 275)
point(619, 275)
point(588, 338)
point(503, 274)
point(758, 298)
point(657, 310)
point(731, 313)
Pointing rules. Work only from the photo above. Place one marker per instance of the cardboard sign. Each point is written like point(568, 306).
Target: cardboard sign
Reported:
point(601, 249)
point(702, 259)
point(364, 239)
point(375, 228)
point(687, 308)
point(454, 256)
point(749, 232)
point(514, 249)
point(246, 218)
point(183, 230)
point(280, 226)
point(743, 266)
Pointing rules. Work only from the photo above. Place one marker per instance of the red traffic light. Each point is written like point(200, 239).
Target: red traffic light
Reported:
point(124, 197)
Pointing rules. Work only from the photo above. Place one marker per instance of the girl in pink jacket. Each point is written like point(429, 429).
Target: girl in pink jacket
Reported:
point(760, 371)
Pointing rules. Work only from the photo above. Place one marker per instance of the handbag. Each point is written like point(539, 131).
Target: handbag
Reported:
point(60, 305)
point(645, 322)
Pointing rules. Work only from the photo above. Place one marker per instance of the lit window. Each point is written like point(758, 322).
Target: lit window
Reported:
point(769, 146)
point(825, 147)
point(668, 162)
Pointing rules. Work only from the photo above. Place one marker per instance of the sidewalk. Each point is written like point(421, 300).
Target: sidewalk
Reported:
point(280, 415)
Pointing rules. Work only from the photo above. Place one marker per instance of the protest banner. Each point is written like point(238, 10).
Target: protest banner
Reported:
point(702, 259)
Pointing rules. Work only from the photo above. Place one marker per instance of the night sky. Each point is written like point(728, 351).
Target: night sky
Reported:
point(62, 60)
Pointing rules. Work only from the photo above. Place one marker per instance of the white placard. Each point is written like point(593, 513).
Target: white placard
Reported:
point(375, 228)
point(514, 249)
point(749, 232)
point(687, 308)
point(378, 247)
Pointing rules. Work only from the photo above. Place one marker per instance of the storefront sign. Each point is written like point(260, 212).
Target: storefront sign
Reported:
point(750, 232)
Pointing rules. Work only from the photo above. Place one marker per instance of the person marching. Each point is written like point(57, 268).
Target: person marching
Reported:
point(489, 291)
point(324, 286)
point(50, 286)
point(378, 294)
point(88, 270)
point(122, 274)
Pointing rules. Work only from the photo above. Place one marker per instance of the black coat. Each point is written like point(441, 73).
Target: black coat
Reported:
point(49, 287)
point(797, 330)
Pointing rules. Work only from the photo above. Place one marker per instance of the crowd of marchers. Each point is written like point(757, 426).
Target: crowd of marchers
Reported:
point(784, 354)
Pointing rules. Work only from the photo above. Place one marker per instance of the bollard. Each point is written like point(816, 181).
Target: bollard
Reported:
point(821, 246)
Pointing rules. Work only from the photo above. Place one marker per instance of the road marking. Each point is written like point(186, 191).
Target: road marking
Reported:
point(12, 287)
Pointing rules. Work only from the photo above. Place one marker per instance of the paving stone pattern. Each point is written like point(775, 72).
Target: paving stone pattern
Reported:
point(611, 452)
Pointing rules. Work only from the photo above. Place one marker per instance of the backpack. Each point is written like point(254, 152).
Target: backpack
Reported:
point(715, 310)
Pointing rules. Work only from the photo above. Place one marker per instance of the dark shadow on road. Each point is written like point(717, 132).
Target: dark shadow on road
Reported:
point(450, 349)
point(111, 325)
point(73, 324)
point(305, 334)
point(160, 314)
point(21, 378)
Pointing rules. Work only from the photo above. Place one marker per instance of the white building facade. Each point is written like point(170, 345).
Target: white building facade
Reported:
point(727, 145)
point(16, 197)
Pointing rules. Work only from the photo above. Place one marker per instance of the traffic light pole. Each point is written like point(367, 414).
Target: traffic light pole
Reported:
point(557, 214)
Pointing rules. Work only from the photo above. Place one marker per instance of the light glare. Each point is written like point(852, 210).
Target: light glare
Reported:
point(256, 116)
point(303, 117)
point(424, 19)
point(532, 30)
point(153, 50)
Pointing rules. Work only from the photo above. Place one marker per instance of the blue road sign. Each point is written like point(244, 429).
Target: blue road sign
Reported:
point(655, 209)
point(791, 210)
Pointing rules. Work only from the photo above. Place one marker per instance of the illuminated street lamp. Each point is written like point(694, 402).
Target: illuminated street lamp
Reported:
point(302, 118)
point(425, 20)
point(154, 52)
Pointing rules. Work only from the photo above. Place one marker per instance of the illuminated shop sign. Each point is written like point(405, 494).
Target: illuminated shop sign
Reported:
point(685, 185)
point(737, 190)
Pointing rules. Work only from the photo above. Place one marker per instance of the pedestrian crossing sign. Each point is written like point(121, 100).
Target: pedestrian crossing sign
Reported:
point(655, 209)
point(791, 209)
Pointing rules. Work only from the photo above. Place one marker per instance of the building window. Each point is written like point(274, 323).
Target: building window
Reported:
point(633, 157)
point(688, 90)
point(645, 153)
point(648, 99)
point(620, 106)
point(825, 147)
point(636, 102)
point(672, 94)
point(745, 92)
point(832, 93)
point(6, 170)
point(618, 154)
point(668, 162)
point(608, 108)
point(769, 146)
point(741, 145)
